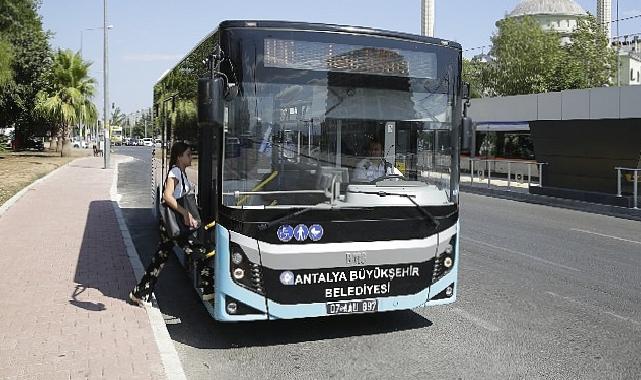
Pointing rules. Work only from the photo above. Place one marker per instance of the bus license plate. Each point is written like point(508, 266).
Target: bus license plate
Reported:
point(350, 307)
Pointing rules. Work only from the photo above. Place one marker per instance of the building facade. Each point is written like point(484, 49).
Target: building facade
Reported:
point(629, 62)
point(558, 15)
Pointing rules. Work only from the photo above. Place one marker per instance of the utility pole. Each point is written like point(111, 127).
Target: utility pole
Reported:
point(618, 49)
point(106, 91)
point(144, 118)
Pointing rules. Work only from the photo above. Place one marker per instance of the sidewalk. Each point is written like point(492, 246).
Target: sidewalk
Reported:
point(64, 279)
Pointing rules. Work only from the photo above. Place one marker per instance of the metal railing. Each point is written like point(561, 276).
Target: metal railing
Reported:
point(635, 184)
point(480, 167)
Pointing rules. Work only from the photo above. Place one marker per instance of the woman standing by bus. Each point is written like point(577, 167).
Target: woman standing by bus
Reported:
point(177, 185)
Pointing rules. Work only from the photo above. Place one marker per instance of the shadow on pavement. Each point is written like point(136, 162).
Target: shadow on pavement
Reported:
point(102, 263)
point(82, 166)
point(198, 330)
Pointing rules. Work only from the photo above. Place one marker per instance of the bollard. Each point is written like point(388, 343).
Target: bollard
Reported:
point(489, 174)
point(509, 175)
point(618, 182)
point(471, 172)
point(540, 165)
point(529, 175)
point(635, 192)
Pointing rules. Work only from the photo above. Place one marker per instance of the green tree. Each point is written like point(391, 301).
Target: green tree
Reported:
point(527, 58)
point(118, 118)
point(589, 60)
point(67, 100)
point(21, 27)
point(476, 73)
point(6, 57)
point(143, 123)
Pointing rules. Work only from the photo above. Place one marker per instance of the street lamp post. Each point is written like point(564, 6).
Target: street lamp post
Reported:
point(618, 50)
point(137, 113)
point(106, 90)
point(87, 30)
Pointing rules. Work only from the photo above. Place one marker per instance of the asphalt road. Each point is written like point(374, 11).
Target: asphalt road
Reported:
point(544, 293)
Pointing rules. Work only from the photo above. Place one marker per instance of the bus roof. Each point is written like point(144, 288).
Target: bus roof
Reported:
point(309, 26)
point(295, 25)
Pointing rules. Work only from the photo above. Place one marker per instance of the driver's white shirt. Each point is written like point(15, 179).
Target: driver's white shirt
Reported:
point(368, 170)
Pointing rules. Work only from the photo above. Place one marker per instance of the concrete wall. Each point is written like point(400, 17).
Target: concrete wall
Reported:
point(589, 104)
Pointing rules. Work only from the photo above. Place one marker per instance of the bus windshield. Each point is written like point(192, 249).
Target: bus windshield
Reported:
point(319, 122)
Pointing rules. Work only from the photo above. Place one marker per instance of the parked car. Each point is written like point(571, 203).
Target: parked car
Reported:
point(158, 143)
point(34, 143)
point(148, 141)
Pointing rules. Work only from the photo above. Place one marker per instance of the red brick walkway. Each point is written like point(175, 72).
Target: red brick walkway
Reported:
point(64, 279)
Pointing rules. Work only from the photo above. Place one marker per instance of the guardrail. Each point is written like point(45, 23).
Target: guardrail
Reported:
point(635, 184)
point(482, 166)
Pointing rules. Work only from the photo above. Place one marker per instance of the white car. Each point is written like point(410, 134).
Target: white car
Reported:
point(80, 144)
point(148, 141)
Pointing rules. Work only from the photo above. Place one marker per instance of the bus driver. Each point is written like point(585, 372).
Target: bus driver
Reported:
point(374, 166)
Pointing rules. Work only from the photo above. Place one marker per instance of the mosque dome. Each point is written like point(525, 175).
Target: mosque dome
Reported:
point(547, 7)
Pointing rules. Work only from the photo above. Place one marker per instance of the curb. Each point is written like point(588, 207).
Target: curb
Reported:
point(9, 203)
point(168, 355)
point(594, 208)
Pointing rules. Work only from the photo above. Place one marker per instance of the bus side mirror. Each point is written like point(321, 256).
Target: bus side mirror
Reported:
point(466, 91)
point(210, 101)
point(468, 134)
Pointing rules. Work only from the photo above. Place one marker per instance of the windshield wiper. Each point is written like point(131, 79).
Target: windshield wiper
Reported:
point(428, 215)
point(266, 226)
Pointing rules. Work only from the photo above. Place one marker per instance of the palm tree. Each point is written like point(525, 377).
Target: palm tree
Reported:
point(118, 118)
point(67, 100)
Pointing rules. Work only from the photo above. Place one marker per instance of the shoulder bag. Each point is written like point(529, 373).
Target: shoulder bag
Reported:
point(174, 221)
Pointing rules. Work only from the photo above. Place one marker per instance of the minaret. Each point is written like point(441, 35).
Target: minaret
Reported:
point(604, 15)
point(427, 18)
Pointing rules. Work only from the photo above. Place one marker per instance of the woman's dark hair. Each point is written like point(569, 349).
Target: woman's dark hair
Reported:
point(176, 151)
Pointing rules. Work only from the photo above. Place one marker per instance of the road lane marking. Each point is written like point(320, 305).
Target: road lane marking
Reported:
point(608, 236)
point(624, 318)
point(476, 320)
point(522, 254)
point(574, 301)
point(569, 299)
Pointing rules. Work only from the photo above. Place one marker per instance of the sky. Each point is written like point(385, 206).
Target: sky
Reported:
point(150, 36)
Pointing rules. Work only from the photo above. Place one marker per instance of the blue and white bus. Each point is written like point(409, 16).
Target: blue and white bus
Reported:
point(328, 160)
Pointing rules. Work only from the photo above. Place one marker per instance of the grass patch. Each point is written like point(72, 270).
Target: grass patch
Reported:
point(19, 169)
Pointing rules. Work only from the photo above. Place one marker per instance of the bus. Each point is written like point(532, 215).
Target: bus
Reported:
point(116, 135)
point(327, 166)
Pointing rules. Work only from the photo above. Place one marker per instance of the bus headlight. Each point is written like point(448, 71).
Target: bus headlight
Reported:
point(447, 262)
point(237, 258)
point(232, 308)
point(239, 273)
point(449, 291)
point(243, 271)
point(444, 262)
